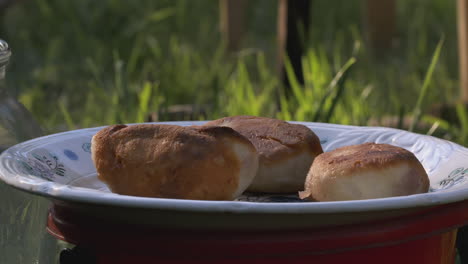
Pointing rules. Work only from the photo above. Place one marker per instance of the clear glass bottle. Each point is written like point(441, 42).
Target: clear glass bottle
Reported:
point(16, 123)
point(22, 216)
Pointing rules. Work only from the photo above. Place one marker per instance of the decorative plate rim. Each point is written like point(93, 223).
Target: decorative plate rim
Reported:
point(71, 194)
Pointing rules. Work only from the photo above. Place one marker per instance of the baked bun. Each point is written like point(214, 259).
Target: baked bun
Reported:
point(365, 171)
point(168, 161)
point(285, 150)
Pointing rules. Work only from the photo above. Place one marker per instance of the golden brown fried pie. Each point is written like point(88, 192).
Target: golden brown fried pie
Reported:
point(168, 161)
point(365, 171)
point(286, 151)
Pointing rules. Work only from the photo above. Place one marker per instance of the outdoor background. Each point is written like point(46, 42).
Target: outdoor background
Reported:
point(86, 63)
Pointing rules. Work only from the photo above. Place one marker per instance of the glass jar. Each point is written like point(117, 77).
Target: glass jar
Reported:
point(22, 216)
point(16, 123)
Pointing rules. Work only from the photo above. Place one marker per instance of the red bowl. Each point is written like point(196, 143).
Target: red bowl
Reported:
point(417, 228)
point(424, 237)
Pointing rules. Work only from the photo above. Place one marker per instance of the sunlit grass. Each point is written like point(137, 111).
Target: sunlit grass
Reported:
point(87, 63)
point(417, 112)
point(90, 70)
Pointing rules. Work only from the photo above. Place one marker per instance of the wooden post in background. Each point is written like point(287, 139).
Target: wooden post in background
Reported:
point(292, 30)
point(281, 35)
point(462, 25)
point(380, 24)
point(232, 22)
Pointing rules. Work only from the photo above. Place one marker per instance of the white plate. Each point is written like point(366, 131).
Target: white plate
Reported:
point(59, 167)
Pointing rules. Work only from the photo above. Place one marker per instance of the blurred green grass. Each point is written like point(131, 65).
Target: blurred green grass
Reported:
point(87, 63)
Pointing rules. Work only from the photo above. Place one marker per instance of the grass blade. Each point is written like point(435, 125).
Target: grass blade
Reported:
point(342, 74)
point(144, 100)
point(433, 128)
point(401, 117)
point(336, 80)
point(417, 109)
point(463, 117)
point(66, 115)
point(293, 82)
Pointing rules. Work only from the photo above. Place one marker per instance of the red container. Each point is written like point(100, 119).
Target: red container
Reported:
point(426, 237)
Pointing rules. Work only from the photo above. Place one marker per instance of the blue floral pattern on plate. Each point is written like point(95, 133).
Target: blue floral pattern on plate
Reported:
point(43, 164)
point(86, 147)
point(60, 166)
point(457, 176)
point(70, 154)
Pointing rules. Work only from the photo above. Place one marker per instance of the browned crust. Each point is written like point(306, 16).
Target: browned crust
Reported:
point(360, 157)
point(168, 161)
point(275, 140)
point(348, 161)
